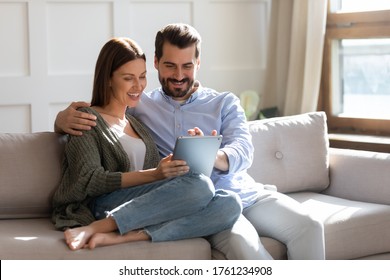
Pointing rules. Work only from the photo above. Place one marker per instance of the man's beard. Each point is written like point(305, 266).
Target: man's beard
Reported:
point(177, 92)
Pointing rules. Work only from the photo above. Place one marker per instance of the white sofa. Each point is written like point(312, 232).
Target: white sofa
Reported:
point(348, 190)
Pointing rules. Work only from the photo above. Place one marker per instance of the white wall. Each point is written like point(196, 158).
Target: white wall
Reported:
point(48, 48)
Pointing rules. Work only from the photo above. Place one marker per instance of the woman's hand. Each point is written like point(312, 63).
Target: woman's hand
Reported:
point(166, 168)
point(171, 168)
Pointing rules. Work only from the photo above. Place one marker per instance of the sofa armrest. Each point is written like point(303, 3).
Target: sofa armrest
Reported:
point(359, 175)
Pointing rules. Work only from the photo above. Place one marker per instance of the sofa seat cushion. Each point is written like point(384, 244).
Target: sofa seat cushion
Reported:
point(277, 249)
point(353, 229)
point(291, 152)
point(37, 239)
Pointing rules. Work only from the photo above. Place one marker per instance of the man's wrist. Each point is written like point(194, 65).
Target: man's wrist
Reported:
point(222, 161)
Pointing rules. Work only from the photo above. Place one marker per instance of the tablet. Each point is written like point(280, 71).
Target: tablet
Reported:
point(198, 151)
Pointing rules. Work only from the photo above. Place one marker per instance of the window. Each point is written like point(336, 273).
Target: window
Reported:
point(356, 67)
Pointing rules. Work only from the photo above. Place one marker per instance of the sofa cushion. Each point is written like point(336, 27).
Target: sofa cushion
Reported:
point(30, 170)
point(353, 229)
point(291, 152)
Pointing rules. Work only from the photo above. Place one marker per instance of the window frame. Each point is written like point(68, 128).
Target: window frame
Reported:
point(354, 25)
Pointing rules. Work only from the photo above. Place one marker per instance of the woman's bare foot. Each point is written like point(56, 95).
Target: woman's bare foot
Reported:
point(76, 238)
point(112, 238)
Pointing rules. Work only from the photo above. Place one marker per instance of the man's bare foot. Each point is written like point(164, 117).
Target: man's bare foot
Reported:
point(112, 238)
point(76, 238)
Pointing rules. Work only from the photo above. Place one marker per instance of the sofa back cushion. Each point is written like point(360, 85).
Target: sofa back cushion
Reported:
point(291, 152)
point(30, 170)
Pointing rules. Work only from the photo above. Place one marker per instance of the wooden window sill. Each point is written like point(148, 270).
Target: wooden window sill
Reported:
point(360, 142)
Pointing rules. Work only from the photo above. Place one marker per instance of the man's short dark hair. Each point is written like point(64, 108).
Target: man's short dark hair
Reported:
point(180, 35)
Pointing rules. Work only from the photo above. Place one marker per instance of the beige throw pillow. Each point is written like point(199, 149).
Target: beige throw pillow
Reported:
point(291, 152)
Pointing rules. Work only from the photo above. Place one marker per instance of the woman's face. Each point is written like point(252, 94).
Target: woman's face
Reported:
point(128, 82)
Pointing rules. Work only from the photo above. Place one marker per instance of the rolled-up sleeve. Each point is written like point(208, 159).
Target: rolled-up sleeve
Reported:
point(237, 141)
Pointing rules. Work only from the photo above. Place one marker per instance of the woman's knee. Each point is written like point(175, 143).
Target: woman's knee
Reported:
point(197, 188)
point(231, 206)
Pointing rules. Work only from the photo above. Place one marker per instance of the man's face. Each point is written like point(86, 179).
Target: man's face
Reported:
point(177, 71)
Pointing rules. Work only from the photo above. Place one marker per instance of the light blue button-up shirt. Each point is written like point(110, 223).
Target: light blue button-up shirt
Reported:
point(207, 109)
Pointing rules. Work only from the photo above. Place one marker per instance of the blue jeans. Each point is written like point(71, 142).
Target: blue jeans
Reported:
point(177, 208)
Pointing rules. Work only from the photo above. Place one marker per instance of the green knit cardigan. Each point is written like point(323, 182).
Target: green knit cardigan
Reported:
point(92, 166)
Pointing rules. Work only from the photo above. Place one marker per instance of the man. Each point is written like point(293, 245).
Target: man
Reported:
point(181, 105)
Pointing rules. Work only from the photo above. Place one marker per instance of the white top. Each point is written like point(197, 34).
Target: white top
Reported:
point(134, 147)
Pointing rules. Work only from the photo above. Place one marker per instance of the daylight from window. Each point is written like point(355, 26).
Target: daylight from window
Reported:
point(365, 77)
point(348, 6)
point(362, 80)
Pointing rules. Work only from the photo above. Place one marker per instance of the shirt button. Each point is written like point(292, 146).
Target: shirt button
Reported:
point(279, 155)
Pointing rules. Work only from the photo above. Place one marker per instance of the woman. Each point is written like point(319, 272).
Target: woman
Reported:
point(114, 187)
